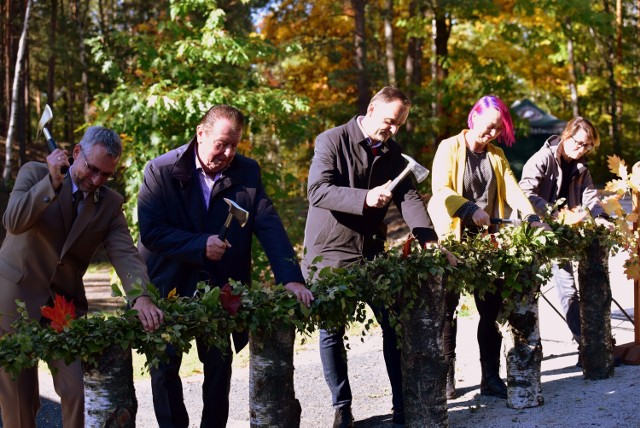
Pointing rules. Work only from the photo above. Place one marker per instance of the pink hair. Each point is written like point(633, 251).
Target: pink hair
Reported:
point(507, 135)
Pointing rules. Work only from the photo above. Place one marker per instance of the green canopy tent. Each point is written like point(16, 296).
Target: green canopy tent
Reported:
point(533, 127)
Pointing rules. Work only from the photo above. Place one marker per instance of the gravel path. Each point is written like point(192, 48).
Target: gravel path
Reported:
point(569, 399)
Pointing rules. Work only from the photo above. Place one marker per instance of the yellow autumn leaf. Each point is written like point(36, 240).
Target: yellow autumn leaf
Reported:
point(172, 294)
point(632, 269)
point(616, 186)
point(611, 205)
point(617, 165)
point(574, 216)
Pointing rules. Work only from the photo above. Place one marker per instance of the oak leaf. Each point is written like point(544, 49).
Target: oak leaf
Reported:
point(61, 314)
point(611, 205)
point(574, 216)
point(617, 166)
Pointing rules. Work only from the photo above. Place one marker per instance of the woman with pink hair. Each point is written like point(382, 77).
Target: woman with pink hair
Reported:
point(471, 183)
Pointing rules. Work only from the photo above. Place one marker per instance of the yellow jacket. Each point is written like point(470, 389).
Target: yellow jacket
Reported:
point(447, 181)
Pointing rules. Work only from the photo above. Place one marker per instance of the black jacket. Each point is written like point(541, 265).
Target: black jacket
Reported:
point(174, 224)
point(339, 227)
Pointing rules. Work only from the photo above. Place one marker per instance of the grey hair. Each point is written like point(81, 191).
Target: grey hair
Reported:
point(223, 111)
point(106, 137)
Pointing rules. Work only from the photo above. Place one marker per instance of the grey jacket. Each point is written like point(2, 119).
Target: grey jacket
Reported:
point(542, 177)
point(339, 227)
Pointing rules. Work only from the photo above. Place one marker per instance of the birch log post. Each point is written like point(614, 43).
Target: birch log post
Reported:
point(596, 342)
point(524, 353)
point(272, 399)
point(424, 370)
point(109, 393)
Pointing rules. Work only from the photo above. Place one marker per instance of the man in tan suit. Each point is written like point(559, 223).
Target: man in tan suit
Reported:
point(48, 247)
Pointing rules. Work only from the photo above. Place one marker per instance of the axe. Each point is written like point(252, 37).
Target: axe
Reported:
point(237, 212)
point(46, 117)
point(511, 221)
point(418, 171)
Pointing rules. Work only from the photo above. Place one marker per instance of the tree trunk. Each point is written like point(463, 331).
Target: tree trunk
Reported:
point(361, 55)
point(15, 94)
point(596, 342)
point(51, 66)
point(610, 59)
point(389, 46)
point(110, 396)
point(524, 352)
point(80, 17)
point(424, 369)
point(272, 399)
point(573, 78)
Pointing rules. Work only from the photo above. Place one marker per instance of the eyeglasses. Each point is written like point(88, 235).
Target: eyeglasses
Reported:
point(94, 171)
point(582, 144)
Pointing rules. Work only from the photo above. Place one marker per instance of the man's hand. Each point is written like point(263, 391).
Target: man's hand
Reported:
point(540, 224)
point(378, 197)
point(56, 160)
point(215, 248)
point(149, 315)
point(302, 293)
point(481, 218)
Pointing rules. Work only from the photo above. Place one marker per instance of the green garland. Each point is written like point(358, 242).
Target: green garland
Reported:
point(518, 254)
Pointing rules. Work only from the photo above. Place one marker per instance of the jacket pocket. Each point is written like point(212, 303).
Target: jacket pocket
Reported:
point(10, 272)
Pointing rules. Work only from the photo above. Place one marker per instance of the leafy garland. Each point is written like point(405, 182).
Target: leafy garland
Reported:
point(520, 255)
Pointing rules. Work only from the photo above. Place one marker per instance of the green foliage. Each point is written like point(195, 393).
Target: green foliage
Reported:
point(516, 254)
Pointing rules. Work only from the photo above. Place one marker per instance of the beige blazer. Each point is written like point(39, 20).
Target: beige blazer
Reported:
point(45, 252)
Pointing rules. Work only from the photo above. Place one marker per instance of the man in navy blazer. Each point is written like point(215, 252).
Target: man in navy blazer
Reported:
point(180, 211)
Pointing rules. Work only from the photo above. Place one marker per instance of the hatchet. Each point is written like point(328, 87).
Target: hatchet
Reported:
point(414, 167)
point(237, 212)
point(46, 117)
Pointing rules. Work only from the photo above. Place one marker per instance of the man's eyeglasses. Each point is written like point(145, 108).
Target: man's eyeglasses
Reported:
point(582, 144)
point(94, 171)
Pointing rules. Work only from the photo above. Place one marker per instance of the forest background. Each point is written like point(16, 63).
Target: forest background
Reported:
point(150, 70)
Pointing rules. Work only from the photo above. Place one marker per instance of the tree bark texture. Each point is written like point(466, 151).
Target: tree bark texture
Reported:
point(272, 399)
point(388, 43)
point(13, 121)
point(524, 353)
point(360, 57)
point(109, 393)
point(596, 342)
point(424, 370)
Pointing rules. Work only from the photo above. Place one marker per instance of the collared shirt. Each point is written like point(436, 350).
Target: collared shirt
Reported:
point(372, 145)
point(206, 181)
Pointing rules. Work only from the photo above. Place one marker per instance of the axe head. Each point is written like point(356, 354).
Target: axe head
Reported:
point(419, 172)
point(240, 214)
point(46, 117)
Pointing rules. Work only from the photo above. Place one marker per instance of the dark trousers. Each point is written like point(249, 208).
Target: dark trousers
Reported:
point(489, 337)
point(168, 399)
point(334, 362)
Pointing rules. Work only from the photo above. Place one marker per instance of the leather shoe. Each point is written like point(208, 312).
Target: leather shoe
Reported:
point(493, 385)
point(343, 418)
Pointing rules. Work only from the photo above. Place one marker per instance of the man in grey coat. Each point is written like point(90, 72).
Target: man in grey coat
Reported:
point(559, 171)
point(348, 200)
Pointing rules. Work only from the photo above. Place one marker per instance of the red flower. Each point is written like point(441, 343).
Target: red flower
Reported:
point(406, 247)
point(230, 302)
point(61, 314)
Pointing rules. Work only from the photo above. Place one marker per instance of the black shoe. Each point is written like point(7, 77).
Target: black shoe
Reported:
point(343, 418)
point(398, 418)
point(493, 386)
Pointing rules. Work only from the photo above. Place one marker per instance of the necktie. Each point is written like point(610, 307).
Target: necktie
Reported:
point(78, 196)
